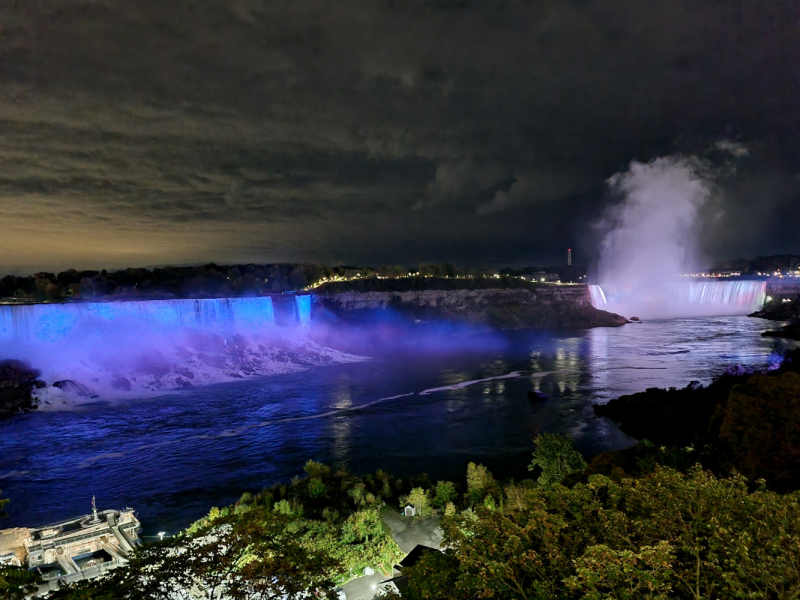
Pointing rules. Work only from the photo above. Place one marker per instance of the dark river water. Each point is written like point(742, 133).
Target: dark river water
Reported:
point(175, 456)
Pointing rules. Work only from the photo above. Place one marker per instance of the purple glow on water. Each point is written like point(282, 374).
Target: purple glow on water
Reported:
point(431, 407)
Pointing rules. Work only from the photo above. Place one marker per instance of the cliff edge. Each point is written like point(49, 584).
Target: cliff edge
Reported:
point(531, 307)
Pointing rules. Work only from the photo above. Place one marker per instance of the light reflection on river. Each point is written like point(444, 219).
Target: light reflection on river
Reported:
point(175, 456)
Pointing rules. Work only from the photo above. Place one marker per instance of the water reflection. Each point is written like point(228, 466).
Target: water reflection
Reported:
point(175, 456)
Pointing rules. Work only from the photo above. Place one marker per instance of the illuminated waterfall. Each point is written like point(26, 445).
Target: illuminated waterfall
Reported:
point(54, 322)
point(597, 297)
point(689, 299)
point(303, 309)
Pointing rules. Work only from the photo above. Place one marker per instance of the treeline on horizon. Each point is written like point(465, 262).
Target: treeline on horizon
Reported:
point(215, 281)
point(760, 264)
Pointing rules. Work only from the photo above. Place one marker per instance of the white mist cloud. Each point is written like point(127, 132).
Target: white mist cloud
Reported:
point(652, 237)
point(652, 233)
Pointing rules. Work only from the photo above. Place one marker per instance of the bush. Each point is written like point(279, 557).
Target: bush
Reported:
point(445, 493)
point(318, 470)
point(556, 458)
point(479, 482)
point(316, 489)
point(761, 423)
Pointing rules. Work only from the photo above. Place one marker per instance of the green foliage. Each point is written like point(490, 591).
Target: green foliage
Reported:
point(318, 470)
point(643, 458)
point(664, 535)
point(445, 493)
point(288, 508)
point(761, 423)
point(419, 499)
point(330, 514)
point(605, 574)
point(362, 526)
point(556, 457)
point(335, 514)
point(316, 488)
point(17, 583)
point(357, 494)
point(479, 482)
point(386, 490)
point(667, 535)
point(3, 504)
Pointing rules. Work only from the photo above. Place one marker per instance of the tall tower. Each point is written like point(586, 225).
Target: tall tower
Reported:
point(569, 257)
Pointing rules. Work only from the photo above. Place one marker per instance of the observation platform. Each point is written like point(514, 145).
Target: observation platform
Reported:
point(75, 549)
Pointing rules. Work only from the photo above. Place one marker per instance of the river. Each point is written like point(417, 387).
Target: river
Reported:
point(174, 456)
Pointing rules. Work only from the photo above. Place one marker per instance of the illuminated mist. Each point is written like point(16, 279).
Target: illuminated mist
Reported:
point(141, 348)
point(144, 347)
point(651, 240)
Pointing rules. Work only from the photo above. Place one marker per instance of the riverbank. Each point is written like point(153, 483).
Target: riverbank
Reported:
point(783, 307)
point(745, 421)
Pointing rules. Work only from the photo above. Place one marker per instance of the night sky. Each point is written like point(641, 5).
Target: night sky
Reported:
point(153, 132)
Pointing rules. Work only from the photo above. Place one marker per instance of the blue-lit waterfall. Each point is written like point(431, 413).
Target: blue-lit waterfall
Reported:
point(139, 347)
point(303, 309)
point(54, 322)
point(682, 299)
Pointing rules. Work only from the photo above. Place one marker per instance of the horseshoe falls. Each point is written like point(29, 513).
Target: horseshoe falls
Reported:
point(681, 299)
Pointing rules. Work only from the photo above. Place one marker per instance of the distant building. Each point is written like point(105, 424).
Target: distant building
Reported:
point(72, 550)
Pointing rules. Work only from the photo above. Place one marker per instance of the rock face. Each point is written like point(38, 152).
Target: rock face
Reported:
point(73, 387)
point(784, 307)
point(17, 381)
point(556, 306)
point(790, 331)
point(780, 310)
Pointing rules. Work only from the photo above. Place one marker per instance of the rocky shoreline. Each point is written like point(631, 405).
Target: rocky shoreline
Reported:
point(784, 307)
point(17, 382)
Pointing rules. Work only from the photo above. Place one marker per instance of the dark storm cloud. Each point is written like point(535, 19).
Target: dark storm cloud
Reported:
point(234, 130)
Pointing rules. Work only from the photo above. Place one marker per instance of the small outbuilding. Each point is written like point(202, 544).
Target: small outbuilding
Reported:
point(409, 511)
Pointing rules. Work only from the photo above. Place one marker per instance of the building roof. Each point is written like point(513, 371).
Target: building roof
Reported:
point(417, 553)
